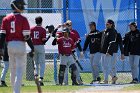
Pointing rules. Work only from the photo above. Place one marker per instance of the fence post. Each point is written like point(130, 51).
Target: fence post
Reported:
point(64, 11)
point(138, 23)
point(55, 67)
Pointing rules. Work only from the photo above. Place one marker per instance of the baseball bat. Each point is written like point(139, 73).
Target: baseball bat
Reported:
point(77, 61)
point(36, 78)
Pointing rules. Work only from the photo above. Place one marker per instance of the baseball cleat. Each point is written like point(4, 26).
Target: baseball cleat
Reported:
point(114, 79)
point(3, 84)
point(104, 82)
point(41, 83)
point(134, 81)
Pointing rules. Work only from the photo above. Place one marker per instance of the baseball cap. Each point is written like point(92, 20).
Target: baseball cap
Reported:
point(110, 21)
point(92, 23)
point(133, 23)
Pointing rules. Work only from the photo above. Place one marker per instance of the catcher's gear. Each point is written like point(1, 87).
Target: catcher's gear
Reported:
point(61, 74)
point(73, 74)
point(18, 5)
point(50, 28)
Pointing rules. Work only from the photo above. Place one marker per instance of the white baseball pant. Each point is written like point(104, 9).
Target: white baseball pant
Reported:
point(17, 62)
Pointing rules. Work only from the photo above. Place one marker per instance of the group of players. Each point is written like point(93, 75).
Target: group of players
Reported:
point(15, 31)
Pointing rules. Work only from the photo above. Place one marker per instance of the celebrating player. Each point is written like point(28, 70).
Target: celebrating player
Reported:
point(95, 54)
point(38, 34)
point(65, 47)
point(68, 24)
point(16, 30)
point(108, 39)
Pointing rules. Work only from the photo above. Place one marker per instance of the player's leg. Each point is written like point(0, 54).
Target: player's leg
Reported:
point(12, 64)
point(20, 57)
point(63, 63)
point(96, 66)
point(20, 66)
point(136, 68)
point(106, 66)
point(78, 77)
point(36, 61)
point(92, 69)
point(113, 68)
point(41, 60)
point(4, 72)
point(73, 69)
point(131, 62)
point(6, 66)
point(66, 76)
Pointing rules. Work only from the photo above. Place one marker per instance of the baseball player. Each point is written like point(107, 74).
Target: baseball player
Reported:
point(108, 39)
point(75, 39)
point(16, 30)
point(118, 44)
point(6, 66)
point(38, 35)
point(65, 47)
point(95, 54)
point(68, 24)
point(132, 49)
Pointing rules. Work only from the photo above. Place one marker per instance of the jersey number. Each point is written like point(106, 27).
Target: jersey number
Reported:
point(13, 27)
point(36, 35)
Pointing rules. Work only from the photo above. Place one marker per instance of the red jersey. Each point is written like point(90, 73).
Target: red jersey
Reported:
point(72, 36)
point(65, 45)
point(38, 33)
point(15, 26)
point(76, 33)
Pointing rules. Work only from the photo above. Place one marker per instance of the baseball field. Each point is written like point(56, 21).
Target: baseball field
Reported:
point(50, 87)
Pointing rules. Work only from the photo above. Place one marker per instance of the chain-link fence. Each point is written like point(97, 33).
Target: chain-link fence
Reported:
point(81, 12)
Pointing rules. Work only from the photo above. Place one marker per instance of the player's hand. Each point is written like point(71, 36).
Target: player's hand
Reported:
point(107, 54)
point(122, 57)
point(58, 26)
point(81, 54)
point(31, 54)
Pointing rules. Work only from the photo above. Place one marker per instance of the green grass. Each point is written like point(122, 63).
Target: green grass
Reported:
point(135, 87)
point(52, 88)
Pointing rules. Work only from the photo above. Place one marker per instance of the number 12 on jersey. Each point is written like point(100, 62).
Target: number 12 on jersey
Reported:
point(36, 34)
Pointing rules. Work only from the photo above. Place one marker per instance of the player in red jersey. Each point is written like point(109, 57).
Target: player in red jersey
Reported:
point(65, 47)
point(15, 30)
point(68, 24)
point(38, 34)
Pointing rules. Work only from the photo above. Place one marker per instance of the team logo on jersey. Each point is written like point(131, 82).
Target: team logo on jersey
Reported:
point(66, 44)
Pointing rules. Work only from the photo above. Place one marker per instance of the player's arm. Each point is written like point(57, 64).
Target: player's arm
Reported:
point(54, 41)
point(86, 43)
point(2, 34)
point(27, 38)
point(44, 39)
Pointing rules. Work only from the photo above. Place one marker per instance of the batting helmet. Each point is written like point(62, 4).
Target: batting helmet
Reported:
point(18, 4)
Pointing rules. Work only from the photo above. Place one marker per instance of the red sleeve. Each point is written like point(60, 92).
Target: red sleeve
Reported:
point(44, 34)
point(72, 43)
point(59, 40)
point(26, 27)
point(3, 25)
